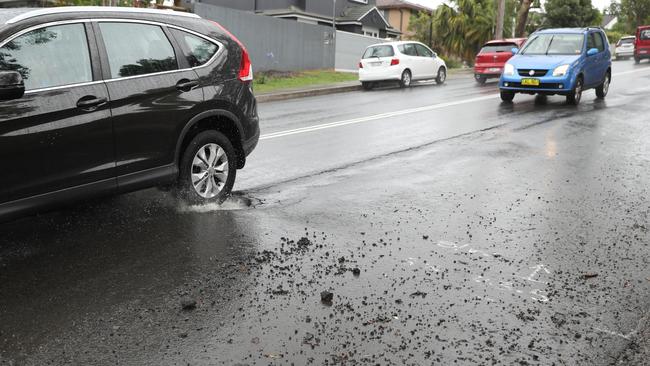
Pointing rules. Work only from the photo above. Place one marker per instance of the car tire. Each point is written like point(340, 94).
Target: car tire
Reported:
point(637, 60)
point(481, 80)
point(441, 76)
point(602, 89)
point(576, 94)
point(367, 85)
point(406, 79)
point(507, 95)
point(210, 153)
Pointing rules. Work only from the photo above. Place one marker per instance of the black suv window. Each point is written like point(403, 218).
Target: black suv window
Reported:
point(137, 49)
point(48, 57)
point(197, 50)
point(423, 51)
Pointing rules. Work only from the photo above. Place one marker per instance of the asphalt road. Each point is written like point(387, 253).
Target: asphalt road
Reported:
point(449, 228)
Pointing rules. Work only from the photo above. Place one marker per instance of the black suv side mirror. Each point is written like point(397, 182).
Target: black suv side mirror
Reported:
point(11, 85)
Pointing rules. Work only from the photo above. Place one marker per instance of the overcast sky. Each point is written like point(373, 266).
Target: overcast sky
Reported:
point(599, 4)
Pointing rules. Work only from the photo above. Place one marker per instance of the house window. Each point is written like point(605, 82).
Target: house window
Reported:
point(370, 31)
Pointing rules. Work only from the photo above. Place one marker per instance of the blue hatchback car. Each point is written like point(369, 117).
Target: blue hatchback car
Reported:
point(559, 61)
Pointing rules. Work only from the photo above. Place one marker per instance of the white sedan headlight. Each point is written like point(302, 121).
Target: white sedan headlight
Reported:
point(561, 70)
point(509, 70)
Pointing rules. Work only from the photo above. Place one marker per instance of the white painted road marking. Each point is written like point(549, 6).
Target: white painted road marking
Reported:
point(397, 113)
point(375, 117)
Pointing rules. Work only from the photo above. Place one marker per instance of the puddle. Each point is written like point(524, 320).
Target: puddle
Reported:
point(237, 201)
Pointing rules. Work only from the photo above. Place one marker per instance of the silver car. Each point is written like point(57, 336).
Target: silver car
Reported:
point(624, 48)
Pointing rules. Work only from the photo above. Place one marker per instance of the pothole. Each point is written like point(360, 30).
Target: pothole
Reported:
point(237, 201)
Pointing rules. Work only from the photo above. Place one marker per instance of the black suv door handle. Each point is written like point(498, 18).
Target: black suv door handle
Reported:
point(187, 85)
point(91, 102)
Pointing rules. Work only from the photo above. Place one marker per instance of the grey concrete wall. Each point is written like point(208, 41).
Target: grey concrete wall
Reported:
point(275, 44)
point(350, 48)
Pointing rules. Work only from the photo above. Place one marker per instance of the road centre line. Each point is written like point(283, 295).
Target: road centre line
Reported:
point(374, 117)
point(397, 113)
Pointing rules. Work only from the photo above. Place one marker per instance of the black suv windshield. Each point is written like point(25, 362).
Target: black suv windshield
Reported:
point(555, 44)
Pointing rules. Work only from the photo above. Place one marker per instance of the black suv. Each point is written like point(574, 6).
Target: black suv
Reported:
point(97, 100)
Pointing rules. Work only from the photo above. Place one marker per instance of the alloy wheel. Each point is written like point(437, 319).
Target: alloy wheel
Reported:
point(442, 76)
point(209, 170)
point(406, 78)
point(578, 91)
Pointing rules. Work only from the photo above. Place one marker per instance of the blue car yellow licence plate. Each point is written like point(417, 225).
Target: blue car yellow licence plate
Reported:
point(529, 82)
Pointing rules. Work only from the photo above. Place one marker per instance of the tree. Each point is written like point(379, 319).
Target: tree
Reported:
point(614, 9)
point(522, 17)
point(636, 11)
point(571, 13)
point(420, 24)
point(461, 27)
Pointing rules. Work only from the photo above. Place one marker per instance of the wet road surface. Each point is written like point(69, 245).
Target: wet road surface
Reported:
point(447, 227)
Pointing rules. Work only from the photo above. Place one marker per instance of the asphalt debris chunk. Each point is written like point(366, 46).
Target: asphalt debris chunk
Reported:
point(188, 303)
point(326, 297)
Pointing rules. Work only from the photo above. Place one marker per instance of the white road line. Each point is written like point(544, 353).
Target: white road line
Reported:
point(396, 113)
point(374, 117)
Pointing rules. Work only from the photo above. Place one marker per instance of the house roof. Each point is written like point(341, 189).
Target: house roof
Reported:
point(397, 4)
point(351, 14)
point(356, 13)
point(607, 19)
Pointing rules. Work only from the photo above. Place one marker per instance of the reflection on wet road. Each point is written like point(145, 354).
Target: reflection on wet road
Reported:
point(471, 233)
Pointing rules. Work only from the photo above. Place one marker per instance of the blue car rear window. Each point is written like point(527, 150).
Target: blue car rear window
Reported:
point(554, 44)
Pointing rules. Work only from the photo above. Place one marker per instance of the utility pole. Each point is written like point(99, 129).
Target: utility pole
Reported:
point(334, 24)
point(431, 30)
point(501, 13)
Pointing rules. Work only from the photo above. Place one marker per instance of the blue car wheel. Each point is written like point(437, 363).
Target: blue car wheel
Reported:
point(575, 95)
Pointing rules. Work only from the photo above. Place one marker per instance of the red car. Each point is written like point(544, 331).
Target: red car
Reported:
point(492, 56)
point(642, 43)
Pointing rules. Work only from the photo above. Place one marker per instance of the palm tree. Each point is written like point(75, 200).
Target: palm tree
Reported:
point(461, 29)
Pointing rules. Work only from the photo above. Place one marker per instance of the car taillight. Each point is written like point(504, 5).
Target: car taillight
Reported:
point(394, 62)
point(360, 65)
point(246, 67)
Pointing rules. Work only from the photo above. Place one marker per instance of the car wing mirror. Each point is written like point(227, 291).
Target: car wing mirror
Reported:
point(592, 51)
point(12, 85)
point(514, 50)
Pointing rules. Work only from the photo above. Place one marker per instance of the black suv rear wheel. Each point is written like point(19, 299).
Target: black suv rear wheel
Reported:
point(207, 169)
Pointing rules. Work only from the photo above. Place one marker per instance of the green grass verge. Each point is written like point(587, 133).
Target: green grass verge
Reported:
point(267, 82)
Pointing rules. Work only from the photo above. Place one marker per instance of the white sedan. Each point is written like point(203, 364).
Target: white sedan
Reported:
point(400, 61)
